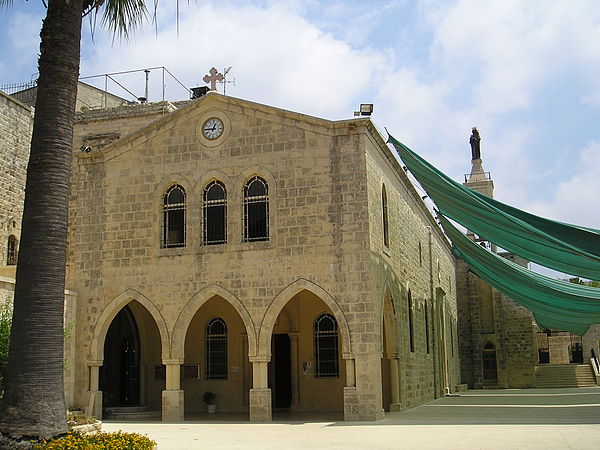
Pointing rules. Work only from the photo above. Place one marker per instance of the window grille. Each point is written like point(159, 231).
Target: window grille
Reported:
point(384, 210)
point(215, 214)
point(411, 334)
point(256, 210)
point(11, 256)
point(326, 347)
point(216, 349)
point(174, 217)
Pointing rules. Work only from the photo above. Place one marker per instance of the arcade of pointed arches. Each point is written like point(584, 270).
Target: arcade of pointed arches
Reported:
point(329, 333)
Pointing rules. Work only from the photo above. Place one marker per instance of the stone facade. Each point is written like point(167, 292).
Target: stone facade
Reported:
point(324, 255)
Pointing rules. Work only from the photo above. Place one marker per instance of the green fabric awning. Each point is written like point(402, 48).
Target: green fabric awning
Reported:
point(554, 303)
point(567, 248)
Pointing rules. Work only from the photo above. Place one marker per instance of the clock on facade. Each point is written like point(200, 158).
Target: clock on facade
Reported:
point(212, 128)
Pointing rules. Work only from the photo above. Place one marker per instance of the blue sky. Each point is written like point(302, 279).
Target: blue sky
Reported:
point(525, 72)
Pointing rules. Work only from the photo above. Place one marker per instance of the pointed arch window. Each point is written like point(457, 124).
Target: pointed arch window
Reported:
point(174, 217)
point(326, 347)
point(411, 331)
point(256, 210)
point(215, 213)
point(11, 254)
point(384, 212)
point(216, 349)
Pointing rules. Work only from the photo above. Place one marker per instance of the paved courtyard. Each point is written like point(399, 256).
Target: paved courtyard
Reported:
point(499, 419)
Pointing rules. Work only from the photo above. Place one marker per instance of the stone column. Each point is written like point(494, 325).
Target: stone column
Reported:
point(363, 401)
point(94, 407)
point(351, 406)
point(260, 394)
point(396, 402)
point(172, 396)
point(295, 368)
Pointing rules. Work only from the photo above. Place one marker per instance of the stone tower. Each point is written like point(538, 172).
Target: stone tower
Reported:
point(496, 340)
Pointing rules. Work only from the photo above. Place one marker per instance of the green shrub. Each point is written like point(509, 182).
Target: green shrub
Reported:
point(98, 441)
point(5, 321)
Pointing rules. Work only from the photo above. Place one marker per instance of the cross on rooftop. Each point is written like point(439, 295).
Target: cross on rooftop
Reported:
point(213, 78)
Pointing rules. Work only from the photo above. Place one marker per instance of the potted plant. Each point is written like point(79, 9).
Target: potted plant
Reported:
point(209, 399)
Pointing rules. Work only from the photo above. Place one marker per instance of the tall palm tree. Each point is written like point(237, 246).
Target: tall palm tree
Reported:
point(33, 406)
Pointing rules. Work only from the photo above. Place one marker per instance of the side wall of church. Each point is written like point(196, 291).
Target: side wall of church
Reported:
point(418, 260)
point(16, 123)
point(317, 237)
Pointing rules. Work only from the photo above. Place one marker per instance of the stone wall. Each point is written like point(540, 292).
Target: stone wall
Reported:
point(417, 259)
point(16, 122)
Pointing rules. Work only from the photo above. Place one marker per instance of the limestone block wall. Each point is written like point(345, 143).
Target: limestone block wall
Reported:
point(90, 97)
point(16, 124)
point(487, 316)
point(317, 217)
point(418, 259)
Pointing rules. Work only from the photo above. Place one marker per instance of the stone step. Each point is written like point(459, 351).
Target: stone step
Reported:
point(571, 375)
point(130, 413)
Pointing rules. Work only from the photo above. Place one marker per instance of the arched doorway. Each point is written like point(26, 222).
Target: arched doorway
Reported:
point(306, 373)
point(488, 358)
point(132, 373)
point(120, 373)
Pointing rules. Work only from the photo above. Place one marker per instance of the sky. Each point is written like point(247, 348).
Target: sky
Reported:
point(524, 72)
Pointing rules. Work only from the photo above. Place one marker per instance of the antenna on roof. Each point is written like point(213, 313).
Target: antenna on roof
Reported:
point(224, 81)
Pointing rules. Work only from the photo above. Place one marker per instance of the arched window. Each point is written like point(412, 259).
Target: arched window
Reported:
point(216, 349)
point(215, 213)
point(411, 332)
point(11, 254)
point(256, 210)
point(326, 347)
point(384, 211)
point(174, 217)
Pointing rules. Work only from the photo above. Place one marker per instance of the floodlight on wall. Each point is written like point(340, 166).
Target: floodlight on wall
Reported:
point(365, 109)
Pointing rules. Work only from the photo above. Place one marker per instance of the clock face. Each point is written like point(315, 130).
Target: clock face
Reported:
point(212, 128)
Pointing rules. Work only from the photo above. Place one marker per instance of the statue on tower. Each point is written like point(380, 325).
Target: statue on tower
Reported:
point(474, 141)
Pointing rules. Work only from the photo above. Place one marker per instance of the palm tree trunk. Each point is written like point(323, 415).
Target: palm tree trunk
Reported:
point(33, 405)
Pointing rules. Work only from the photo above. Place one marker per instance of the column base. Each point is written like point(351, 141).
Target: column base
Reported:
point(172, 406)
point(356, 409)
point(395, 407)
point(260, 405)
point(94, 406)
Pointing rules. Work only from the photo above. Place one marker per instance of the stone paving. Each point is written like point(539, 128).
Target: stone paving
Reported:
point(499, 419)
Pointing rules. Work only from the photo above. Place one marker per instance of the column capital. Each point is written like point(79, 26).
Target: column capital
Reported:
point(259, 358)
point(169, 362)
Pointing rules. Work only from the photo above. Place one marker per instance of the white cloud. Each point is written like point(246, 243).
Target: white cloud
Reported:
point(577, 198)
point(277, 57)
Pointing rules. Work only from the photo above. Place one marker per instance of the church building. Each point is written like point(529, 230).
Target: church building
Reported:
point(280, 261)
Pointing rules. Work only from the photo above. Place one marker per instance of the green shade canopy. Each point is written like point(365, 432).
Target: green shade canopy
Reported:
point(554, 303)
point(567, 248)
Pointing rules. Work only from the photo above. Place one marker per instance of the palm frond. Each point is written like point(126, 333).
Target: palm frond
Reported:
point(123, 16)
